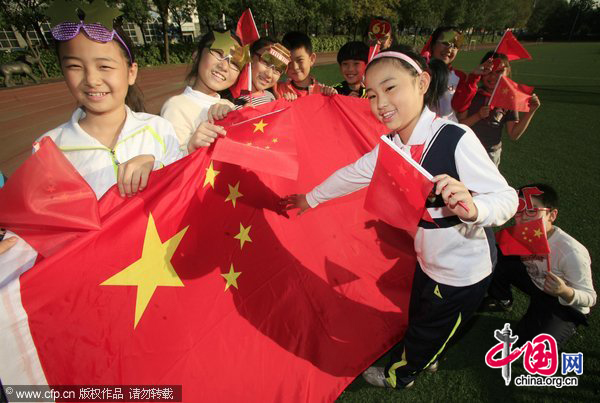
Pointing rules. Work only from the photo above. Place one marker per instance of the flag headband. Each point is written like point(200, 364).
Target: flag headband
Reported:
point(401, 56)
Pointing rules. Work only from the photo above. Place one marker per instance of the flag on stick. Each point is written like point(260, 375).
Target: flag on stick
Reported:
point(510, 46)
point(399, 188)
point(524, 239)
point(508, 94)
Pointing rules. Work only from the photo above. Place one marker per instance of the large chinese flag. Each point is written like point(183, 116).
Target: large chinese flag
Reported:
point(201, 281)
point(398, 190)
point(511, 95)
point(524, 239)
point(510, 46)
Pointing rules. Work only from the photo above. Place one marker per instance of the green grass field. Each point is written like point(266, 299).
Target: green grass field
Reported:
point(559, 147)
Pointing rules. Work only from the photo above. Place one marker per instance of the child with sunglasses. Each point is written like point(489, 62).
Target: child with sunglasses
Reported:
point(559, 299)
point(217, 64)
point(269, 62)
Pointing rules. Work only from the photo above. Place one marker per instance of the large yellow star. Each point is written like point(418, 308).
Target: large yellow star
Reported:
point(244, 235)
point(231, 277)
point(537, 232)
point(234, 193)
point(260, 126)
point(211, 174)
point(153, 269)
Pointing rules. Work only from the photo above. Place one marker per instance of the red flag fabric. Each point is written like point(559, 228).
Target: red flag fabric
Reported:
point(47, 202)
point(373, 50)
point(511, 95)
point(246, 28)
point(426, 50)
point(524, 239)
point(262, 141)
point(398, 190)
point(202, 281)
point(510, 46)
point(243, 83)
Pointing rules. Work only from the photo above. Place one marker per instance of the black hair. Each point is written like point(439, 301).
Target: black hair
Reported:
point(295, 40)
point(260, 43)
point(436, 68)
point(205, 41)
point(134, 98)
point(493, 55)
point(439, 31)
point(354, 50)
point(549, 197)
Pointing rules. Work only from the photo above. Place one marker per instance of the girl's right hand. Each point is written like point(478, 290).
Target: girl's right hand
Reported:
point(484, 112)
point(218, 112)
point(205, 135)
point(484, 68)
point(295, 201)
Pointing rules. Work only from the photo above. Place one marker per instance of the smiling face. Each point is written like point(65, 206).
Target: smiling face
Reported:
point(264, 75)
point(97, 74)
point(353, 71)
point(396, 96)
point(299, 68)
point(215, 73)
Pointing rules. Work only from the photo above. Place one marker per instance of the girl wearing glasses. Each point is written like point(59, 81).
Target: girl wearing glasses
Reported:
point(269, 62)
point(217, 63)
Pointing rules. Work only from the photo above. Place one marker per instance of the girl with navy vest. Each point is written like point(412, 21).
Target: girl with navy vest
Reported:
point(456, 254)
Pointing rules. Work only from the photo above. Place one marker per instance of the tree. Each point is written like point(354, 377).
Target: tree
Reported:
point(182, 11)
point(162, 6)
point(138, 12)
point(25, 15)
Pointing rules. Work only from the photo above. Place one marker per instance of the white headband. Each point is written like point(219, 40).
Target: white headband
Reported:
point(400, 56)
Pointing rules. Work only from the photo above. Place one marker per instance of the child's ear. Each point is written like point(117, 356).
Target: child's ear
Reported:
point(132, 73)
point(313, 58)
point(553, 215)
point(423, 82)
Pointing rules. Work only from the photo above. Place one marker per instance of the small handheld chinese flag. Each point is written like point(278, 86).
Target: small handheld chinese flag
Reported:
point(246, 28)
point(46, 200)
point(398, 189)
point(510, 46)
point(524, 239)
point(373, 50)
point(511, 95)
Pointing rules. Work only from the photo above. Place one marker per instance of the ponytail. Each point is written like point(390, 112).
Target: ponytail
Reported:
point(436, 69)
point(438, 85)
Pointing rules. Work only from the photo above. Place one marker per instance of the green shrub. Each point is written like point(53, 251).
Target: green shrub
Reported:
point(329, 43)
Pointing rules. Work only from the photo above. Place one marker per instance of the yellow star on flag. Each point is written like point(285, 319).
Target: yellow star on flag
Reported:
point(234, 193)
point(537, 232)
point(152, 270)
point(231, 277)
point(505, 90)
point(275, 140)
point(260, 126)
point(211, 174)
point(244, 235)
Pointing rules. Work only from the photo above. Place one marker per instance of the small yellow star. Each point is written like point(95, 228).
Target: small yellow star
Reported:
point(537, 233)
point(234, 193)
point(231, 277)
point(211, 174)
point(505, 91)
point(275, 140)
point(244, 235)
point(260, 126)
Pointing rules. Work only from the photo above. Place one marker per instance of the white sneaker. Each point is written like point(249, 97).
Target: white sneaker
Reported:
point(376, 377)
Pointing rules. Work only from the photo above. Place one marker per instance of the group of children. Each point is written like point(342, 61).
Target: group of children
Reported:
point(110, 141)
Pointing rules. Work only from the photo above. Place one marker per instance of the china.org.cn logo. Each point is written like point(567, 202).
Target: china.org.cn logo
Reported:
point(540, 360)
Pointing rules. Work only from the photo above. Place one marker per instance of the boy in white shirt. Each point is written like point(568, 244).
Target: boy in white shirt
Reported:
point(560, 299)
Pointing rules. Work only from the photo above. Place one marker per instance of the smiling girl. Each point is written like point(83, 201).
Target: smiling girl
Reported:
point(456, 253)
point(217, 63)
